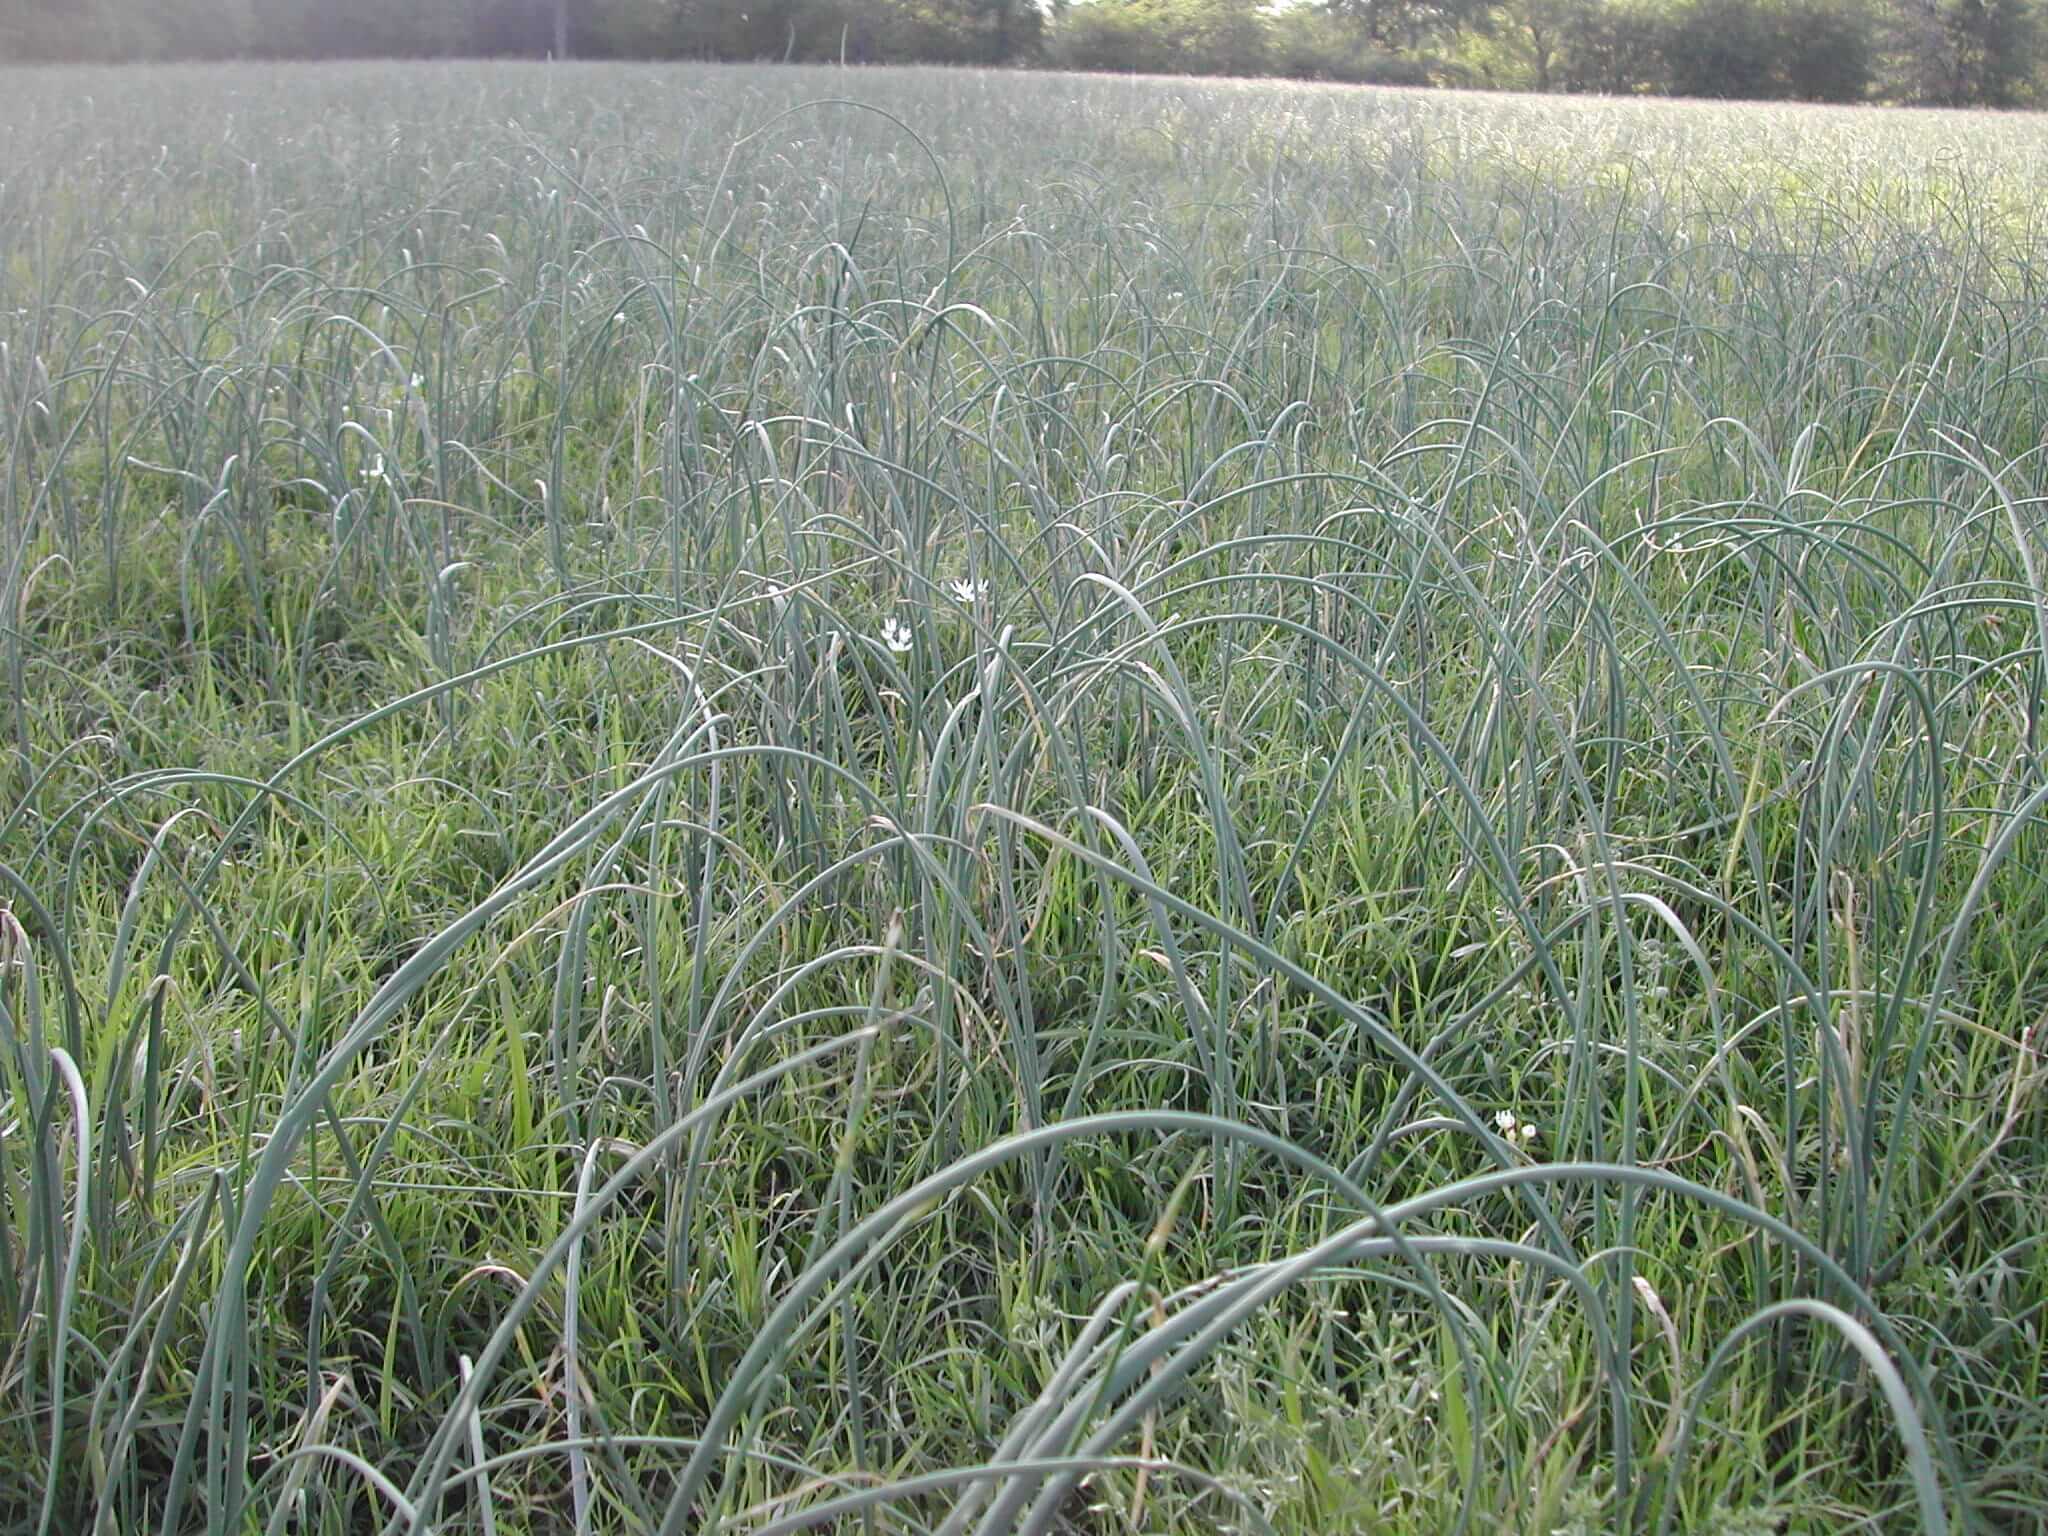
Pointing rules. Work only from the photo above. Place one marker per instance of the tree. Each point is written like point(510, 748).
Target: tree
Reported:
point(962, 31)
point(54, 30)
point(1962, 53)
point(1192, 37)
point(1828, 52)
point(1937, 52)
point(1405, 25)
point(1524, 43)
point(1219, 37)
point(1303, 43)
point(1721, 48)
point(1111, 37)
point(1615, 49)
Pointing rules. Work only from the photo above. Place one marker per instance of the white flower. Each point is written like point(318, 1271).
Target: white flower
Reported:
point(417, 381)
point(968, 591)
point(1514, 1130)
point(374, 471)
point(896, 636)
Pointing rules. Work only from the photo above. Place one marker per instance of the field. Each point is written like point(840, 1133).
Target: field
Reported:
point(900, 801)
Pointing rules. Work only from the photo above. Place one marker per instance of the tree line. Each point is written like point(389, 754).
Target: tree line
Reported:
point(1926, 52)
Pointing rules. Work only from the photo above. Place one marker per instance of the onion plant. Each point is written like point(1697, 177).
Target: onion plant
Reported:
point(777, 799)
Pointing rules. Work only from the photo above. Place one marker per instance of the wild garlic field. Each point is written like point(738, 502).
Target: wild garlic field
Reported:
point(755, 800)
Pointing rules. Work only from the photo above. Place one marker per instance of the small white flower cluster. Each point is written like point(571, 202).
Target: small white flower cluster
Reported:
point(1514, 1130)
point(968, 591)
point(896, 636)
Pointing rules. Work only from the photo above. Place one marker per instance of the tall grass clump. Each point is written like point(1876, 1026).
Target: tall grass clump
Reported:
point(775, 800)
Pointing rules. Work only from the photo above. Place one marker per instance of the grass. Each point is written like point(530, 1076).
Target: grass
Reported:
point(761, 800)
